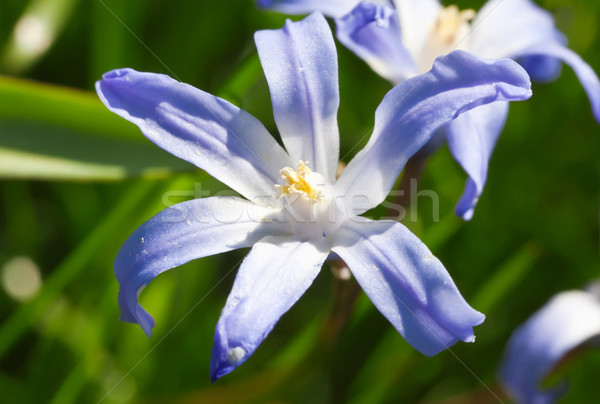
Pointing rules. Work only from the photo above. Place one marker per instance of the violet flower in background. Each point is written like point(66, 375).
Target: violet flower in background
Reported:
point(331, 8)
point(568, 321)
point(294, 224)
point(402, 40)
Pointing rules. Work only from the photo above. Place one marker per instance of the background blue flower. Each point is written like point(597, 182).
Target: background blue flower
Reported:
point(402, 39)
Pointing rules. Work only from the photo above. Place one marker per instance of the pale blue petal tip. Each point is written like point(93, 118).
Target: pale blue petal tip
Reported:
point(465, 207)
point(145, 320)
point(224, 359)
point(141, 317)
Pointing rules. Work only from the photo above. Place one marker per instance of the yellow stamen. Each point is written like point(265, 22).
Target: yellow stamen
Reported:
point(449, 22)
point(297, 182)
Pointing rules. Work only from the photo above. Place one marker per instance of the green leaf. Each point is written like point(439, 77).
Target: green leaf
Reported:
point(62, 106)
point(30, 150)
point(49, 132)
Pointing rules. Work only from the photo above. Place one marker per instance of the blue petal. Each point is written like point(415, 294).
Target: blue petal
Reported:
point(408, 285)
point(541, 68)
point(411, 112)
point(300, 63)
point(471, 138)
point(499, 33)
point(585, 74)
point(181, 233)
point(373, 33)
point(503, 28)
point(331, 8)
point(567, 321)
point(274, 275)
point(225, 141)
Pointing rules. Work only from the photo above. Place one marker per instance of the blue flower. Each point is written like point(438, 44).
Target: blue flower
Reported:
point(566, 322)
point(295, 211)
point(331, 8)
point(401, 42)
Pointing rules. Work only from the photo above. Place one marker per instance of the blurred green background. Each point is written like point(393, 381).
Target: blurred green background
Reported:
point(76, 181)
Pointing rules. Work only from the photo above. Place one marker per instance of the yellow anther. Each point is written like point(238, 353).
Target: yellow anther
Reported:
point(298, 182)
point(450, 21)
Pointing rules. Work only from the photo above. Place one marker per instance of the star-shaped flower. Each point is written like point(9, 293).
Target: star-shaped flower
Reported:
point(295, 211)
point(400, 39)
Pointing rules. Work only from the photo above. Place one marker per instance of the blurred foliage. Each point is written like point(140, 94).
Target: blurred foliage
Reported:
point(535, 231)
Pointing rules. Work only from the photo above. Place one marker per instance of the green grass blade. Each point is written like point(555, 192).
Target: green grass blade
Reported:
point(61, 106)
point(49, 132)
point(29, 150)
point(505, 278)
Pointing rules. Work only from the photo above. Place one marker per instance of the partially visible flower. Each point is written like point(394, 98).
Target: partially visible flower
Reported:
point(296, 212)
point(331, 8)
point(568, 321)
point(403, 40)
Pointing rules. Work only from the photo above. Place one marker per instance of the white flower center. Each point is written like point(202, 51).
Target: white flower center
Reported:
point(447, 34)
point(307, 202)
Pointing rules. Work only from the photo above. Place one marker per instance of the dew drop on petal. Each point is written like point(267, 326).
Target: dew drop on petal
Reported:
point(234, 355)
